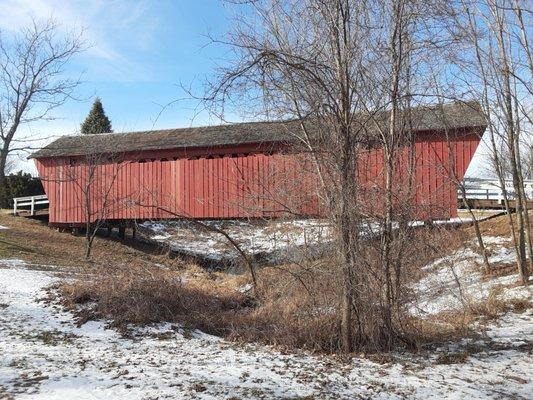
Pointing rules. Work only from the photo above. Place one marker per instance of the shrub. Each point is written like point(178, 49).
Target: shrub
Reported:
point(299, 305)
point(18, 185)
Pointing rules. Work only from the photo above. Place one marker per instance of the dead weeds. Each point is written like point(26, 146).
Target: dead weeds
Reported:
point(497, 226)
point(128, 284)
point(498, 270)
point(298, 305)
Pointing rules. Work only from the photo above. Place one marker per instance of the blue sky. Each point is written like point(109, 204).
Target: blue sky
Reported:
point(140, 52)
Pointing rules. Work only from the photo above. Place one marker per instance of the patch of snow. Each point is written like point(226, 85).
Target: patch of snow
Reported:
point(3, 227)
point(495, 240)
point(518, 293)
point(502, 255)
point(14, 262)
point(264, 240)
point(45, 356)
point(455, 220)
point(269, 241)
point(161, 237)
point(454, 281)
point(512, 328)
point(245, 288)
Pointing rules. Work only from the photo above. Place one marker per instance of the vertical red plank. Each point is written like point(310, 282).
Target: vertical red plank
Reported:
point(205, 187)
point(187, 189)
point(181, 186)
point(224, 184)
point(181, 190)
point(216, 188)
point(158, 184)
point(175, 186)
point(210, 197)
point(244, 186)
point(142, 190)
point(198, 187)
point(190, 187)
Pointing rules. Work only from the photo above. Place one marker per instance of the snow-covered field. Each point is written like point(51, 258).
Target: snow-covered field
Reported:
point(43, 355)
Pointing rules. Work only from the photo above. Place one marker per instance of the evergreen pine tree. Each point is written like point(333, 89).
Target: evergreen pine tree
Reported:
point(96, 121)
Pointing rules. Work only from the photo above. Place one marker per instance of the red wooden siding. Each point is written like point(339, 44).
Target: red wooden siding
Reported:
point(243, 181)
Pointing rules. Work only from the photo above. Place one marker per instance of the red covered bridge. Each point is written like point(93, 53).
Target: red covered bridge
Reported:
point(238, 171)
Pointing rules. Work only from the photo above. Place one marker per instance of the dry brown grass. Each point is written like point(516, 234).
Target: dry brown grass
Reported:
point(207, 302)
point(498, 226)
point(35, 242)
point(498, 270)
point(127, 284)
point(298, 307)
point(141, 296)
point(452, 358)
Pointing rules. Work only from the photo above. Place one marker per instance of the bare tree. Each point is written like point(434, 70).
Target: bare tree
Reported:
point(95, 185)
point(505, 157)
point(32, 80)
point(91, 180)
point(460, 183)
point(336, 65)
point(496, 67)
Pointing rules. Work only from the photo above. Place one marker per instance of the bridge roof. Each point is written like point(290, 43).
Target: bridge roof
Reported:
point(425, 118)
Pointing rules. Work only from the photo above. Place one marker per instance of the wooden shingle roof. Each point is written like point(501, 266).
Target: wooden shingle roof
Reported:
point(428, 118)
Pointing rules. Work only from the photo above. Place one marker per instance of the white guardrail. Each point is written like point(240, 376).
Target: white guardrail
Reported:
point(491, 190)
point(28, 201)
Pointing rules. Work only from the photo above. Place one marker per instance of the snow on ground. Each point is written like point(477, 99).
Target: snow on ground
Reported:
point(43, 355)
point(265, 240)
point(456, 280)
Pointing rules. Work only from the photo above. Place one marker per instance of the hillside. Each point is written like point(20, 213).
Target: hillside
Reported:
point(95, 343)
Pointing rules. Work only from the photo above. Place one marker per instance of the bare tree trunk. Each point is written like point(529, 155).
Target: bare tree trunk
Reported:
point(3, 161)
point(346, 219)
point(499, 108)
point(513, 143)
point(389, 158)
point(87, 193)
point(522, 193)
point(479, 236)
point(348, 228)
point(349, 285)
point(88, 240)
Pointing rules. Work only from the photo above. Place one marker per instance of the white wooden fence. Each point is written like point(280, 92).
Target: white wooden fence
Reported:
point(490, 189)
point(29, 201)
